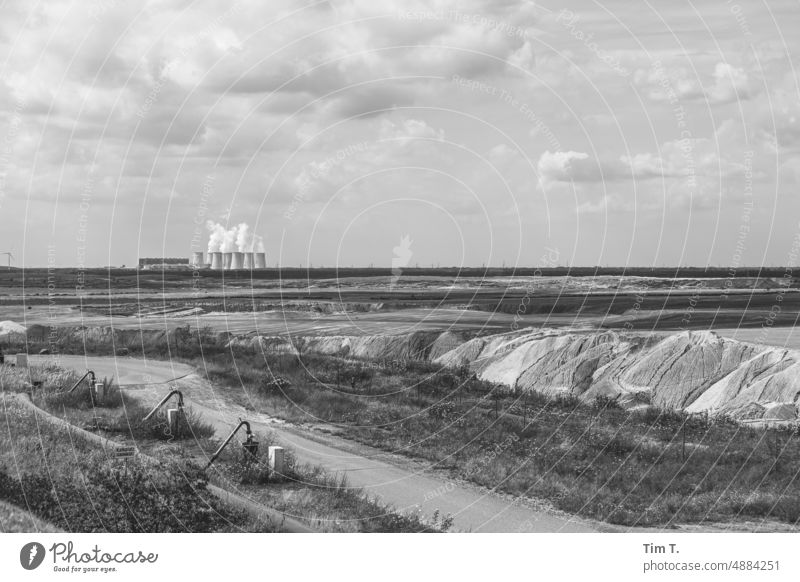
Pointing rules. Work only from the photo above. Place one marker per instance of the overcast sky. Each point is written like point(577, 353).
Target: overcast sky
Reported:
point(484, 132)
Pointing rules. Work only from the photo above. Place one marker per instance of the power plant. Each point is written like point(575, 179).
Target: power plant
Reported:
point(229, 249)
point(217, 261)
point(233, 261)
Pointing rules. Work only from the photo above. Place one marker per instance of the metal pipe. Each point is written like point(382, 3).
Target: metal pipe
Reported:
point(163, 402)
point(88, 373)
point(227, 440)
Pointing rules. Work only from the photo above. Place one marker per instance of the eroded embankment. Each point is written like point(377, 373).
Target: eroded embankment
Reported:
point(691, 371)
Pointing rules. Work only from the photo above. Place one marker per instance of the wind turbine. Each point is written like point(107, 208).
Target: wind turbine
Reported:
point(10, 257)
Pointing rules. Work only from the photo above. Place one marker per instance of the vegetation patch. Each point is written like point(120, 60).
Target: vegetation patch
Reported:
point(71, 484)
point(310, 493)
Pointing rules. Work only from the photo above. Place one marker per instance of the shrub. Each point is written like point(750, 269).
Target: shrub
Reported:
point(81, 398)
point(132, 422)
point(606, 403)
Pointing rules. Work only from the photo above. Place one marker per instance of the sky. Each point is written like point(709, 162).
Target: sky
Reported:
point(502, 132)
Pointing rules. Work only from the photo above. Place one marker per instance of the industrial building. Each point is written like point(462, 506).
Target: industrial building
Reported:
point(217, 261)
point(163, 263)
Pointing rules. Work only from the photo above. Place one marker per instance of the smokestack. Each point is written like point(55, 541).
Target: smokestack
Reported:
point(197, 259)
point(216, 261)
point(249, 260)
point(260, 261)
point(237, 262)
point(227, 259)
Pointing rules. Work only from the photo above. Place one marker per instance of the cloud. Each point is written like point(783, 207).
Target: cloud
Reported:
point(566, 166)
point(730, 84)
point(679, 84)
point(409, 129)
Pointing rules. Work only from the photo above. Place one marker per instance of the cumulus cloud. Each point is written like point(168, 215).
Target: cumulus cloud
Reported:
point(409, 129)
point(730, 83)
point(680, 84)
point(684, 161)
point(559, 166)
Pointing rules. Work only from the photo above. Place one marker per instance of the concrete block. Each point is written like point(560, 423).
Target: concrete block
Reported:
point(277, 461)
point(22, 360)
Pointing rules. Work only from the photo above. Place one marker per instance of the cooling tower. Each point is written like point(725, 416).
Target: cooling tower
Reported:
point(227, 259)
point(216, 261)
point(249, 260)
point(237, 262)
point(197, 259)
point(260, 261)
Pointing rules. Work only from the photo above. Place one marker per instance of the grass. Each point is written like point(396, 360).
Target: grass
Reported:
point(114, 412)
point(596, 461)
point(68, 482)
point(17, 520)
point(310, 493)
point(306, 492)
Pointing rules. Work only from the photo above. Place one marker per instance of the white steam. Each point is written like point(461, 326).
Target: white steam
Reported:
point(237, 238)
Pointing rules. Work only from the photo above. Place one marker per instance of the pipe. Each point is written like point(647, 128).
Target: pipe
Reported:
point(227, 440)
point(163, 402)
point(88, 373)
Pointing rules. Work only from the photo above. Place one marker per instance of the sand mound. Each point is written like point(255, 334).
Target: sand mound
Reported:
point(11, 327)
point(699, 372)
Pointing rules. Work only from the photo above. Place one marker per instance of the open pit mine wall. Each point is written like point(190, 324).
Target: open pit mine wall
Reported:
point(692, 371)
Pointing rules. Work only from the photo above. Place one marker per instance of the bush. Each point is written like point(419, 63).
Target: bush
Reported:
point(132, 422)
point(81, 398)
point(241, 466)
point(606, 403)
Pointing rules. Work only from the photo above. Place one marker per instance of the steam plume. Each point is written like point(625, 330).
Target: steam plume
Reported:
point(237, 238)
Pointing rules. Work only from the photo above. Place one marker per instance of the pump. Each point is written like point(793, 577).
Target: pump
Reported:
point(250, 444)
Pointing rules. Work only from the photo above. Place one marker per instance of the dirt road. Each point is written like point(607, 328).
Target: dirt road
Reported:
point(406, 485)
